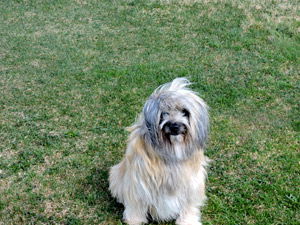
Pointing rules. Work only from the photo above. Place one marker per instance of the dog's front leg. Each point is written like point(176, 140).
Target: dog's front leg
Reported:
point(135, 214)
point(189, 216)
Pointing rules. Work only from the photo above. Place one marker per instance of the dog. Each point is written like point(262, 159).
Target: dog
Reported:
point(162, 175)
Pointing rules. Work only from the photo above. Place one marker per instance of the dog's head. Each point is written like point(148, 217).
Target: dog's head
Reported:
point(176, 121)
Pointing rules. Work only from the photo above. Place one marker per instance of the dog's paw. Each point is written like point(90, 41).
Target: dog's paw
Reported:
point(135, 220)
point(189, 220)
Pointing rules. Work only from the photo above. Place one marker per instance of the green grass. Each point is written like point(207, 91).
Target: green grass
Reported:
point(74, 74)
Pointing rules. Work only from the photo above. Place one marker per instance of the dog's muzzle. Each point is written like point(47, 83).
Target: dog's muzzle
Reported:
point(173, 128)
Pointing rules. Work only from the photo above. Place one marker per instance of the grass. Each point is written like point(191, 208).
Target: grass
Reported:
point(74, 74)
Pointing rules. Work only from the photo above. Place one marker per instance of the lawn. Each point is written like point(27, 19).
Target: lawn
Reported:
point(75, 74)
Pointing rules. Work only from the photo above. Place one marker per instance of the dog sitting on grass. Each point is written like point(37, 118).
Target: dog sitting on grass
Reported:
point(163, 172)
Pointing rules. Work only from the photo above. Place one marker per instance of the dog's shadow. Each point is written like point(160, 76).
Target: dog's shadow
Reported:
point(93, 190)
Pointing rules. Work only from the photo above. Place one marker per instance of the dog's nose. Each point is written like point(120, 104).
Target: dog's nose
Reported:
point(173, 128)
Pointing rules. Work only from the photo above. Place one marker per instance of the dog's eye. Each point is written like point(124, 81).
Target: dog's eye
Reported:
point(185, 113)
point(163, 114)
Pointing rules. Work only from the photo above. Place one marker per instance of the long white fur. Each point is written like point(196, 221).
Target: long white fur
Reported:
point(165, 181)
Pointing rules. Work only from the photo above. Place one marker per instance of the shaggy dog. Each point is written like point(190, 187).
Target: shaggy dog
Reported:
point(162, 174)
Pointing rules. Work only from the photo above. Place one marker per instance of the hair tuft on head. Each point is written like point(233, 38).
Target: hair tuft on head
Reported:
point(175, 85)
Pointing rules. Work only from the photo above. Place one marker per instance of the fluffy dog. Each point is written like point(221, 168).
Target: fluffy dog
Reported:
point(162, 174)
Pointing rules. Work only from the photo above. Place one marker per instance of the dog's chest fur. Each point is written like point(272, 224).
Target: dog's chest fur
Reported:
point(170, 182)
point(171, 178)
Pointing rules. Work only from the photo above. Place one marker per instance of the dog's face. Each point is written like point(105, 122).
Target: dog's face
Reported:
point(175, 121)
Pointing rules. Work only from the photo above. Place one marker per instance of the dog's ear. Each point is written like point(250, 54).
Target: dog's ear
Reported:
point(199, 118)
point(202, 122)
point(151, 112)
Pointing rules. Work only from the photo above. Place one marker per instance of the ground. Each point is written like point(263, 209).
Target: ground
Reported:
point(75, 74)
